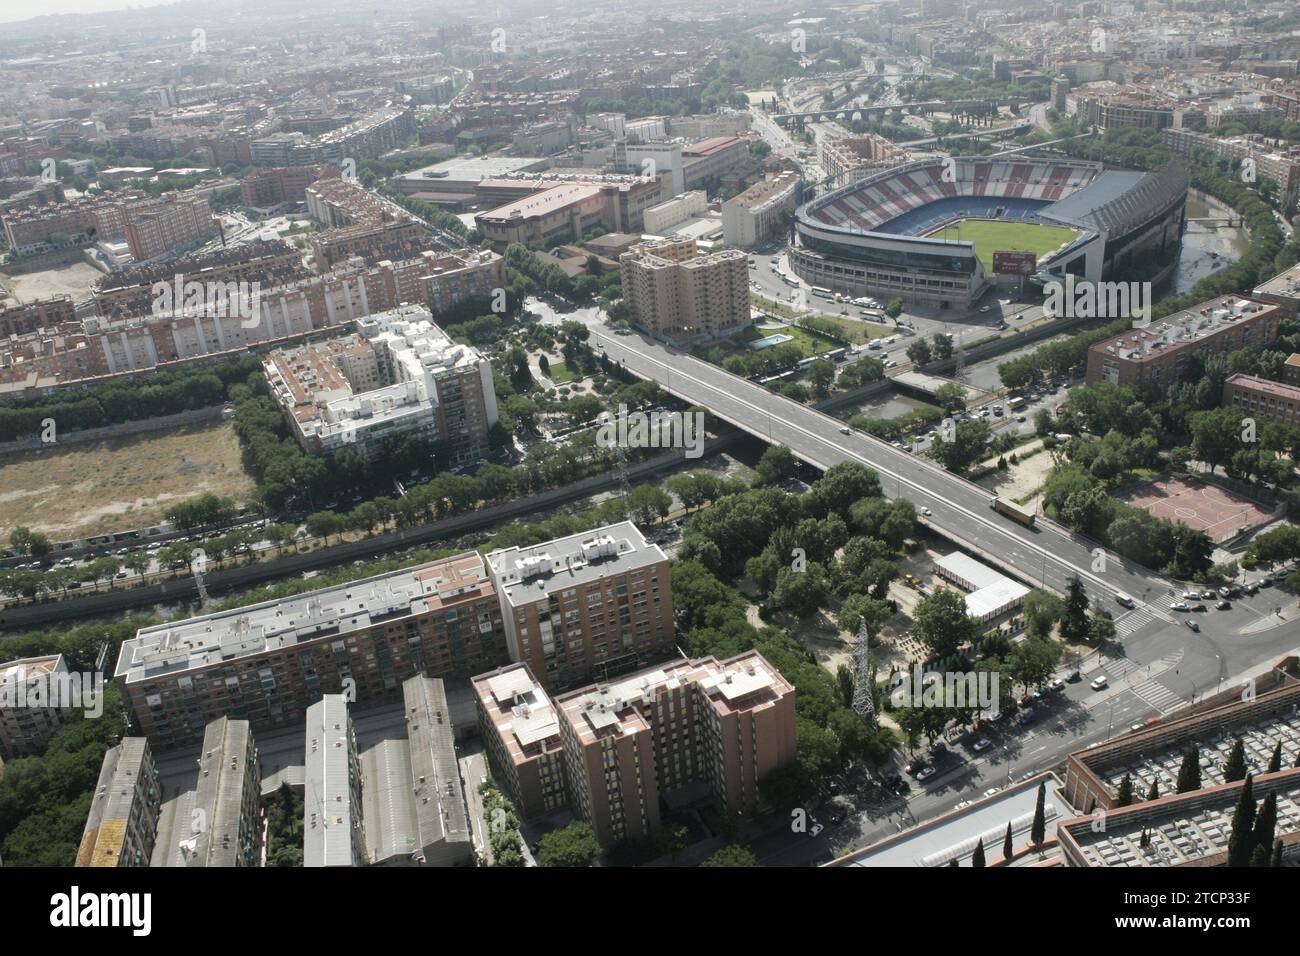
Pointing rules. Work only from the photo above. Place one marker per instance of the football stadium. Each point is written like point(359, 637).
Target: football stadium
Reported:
point(927, 231)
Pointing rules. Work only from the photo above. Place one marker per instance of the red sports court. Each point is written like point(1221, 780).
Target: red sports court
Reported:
point(1220, 514)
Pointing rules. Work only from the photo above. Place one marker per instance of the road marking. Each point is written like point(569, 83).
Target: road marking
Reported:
point(1126, 624)
point(980, 520)
point(1158, 697)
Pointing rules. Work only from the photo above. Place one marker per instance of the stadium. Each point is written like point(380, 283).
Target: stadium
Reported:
point(927, 231)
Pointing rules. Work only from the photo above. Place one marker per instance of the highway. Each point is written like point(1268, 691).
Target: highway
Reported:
point(1047, 555)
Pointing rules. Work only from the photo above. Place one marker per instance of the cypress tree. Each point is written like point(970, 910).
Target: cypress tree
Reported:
point(1235, 768)
point(1189, 774)
point(1154, 792)
point(1277, 853)
point(977, 858)
point(1038, 832)
point(1125, 795)
point(1240, 843)
point(1006, 843)
point(1275, 762)
point(1259, 859)
point(1266, 824)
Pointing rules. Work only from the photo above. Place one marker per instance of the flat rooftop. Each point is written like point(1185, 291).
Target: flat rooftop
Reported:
point(1181, 828)
point(1280, 390)
point(1184, 328)
point(545, 203)
point(472, 169)
point(525, 575)
point(956, 834)
point(329, 812)
point(1283, 284)
point(179, 646)
point(520, 710)
point(29, 668)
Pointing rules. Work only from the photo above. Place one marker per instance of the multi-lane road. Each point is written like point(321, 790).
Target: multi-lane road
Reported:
point(1047, 554)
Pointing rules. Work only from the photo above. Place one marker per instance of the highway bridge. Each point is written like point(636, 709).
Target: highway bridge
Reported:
point(1046, 555)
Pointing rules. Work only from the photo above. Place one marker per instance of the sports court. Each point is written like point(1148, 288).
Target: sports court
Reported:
point(1220, 514)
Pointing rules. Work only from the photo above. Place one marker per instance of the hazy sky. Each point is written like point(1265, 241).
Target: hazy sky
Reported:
point(11, 10)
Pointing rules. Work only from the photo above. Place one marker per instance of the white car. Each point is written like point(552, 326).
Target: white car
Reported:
point(815, 830)
point(1100, 683)
point(925, 511)
point(992, 791)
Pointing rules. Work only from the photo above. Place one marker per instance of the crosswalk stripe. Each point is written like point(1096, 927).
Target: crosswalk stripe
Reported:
point(1157, 696)
point(1132, 621)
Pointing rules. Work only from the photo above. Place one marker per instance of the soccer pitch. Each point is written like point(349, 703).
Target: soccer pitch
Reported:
point(990, 235)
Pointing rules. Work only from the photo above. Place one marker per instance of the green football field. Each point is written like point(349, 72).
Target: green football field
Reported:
point(990, 235)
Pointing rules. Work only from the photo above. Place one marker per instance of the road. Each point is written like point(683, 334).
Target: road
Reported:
point(1047, 555)
point(1157, 670)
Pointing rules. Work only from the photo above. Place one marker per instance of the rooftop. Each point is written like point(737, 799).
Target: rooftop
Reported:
point(179, 646)
point(329, 811)
point(1184, 328)
point(1283, 284)
point(525, 575)
point(520, 710)
point(1285, 392)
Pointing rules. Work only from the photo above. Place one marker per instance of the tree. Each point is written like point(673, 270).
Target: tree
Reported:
point(1189, 774)
point(29, 542)
point(919, 352)
point(941, 346)
point(1041, 609)
point(777, 464)
point(1124, 796)
point(322, 524)
point(1153, 793)
point(977, 858)
point(1007, 846)
point(1074, 621)
point(951, 397)
point(894, 307)
point(648, 503)
point(1275, 762)
point(821, 374)
point(732, 856)
point(941, 623)
point(1038, 830)
point(1241, 843)
point(1235, 766)
point(967, 445)
point(572, 846)
point(1265, 829)
point(801, 592)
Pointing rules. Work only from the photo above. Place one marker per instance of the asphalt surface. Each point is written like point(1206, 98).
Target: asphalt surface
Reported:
point(1047, 554)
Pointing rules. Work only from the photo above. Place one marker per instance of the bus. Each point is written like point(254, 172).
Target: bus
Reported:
point(1016, 404)
point(1013, 511)
point(824, 293)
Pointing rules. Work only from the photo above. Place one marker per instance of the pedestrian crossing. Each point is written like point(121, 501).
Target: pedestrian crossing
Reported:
point(1132, 621)
point(1158, 697)
point(1120, 667)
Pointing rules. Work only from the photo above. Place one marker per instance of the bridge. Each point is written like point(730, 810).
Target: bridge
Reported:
point(1232, 222)
point(1048, 555)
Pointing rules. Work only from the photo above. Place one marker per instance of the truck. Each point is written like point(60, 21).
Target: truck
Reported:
point(1013, 511)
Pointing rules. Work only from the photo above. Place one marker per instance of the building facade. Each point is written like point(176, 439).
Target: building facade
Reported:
point(31, 707)
point(521, 735)
point(123, 821)
point(677, 293)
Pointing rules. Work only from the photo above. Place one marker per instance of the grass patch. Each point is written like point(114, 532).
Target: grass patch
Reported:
point(990, 235)
point(562, 374)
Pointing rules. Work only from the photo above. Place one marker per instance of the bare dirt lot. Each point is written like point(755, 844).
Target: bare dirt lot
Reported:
point(75, 280)
point(75, 491)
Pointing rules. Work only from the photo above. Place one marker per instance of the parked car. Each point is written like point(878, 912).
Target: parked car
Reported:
point(925, 773)
point(981, 745)
point(1224, 605)
point(1179, 606)
point(815, 830)
point(1099, 683)
point(992, 791)
point(1193, 625)
point(1056, 684)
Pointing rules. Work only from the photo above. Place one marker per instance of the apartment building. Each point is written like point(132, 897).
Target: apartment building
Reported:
point(591, 603)
point(1157, 357)
point(1262, 398)
point(31, 707)
point(267, 663)
point(1283, 290)
point(850, 158)
point(34, 364)
point(40, 314)
point(678, 293)
point(1122, 108)
point(123, 821)
point(521, 734)
point(371, 242)
point(399, 375)
point(281, 184)
point(219, 822)
point(175, 222)
point(340, 202)
point(758, 213)
point(1269, 165)
point(685, 731)
point(333, 833)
